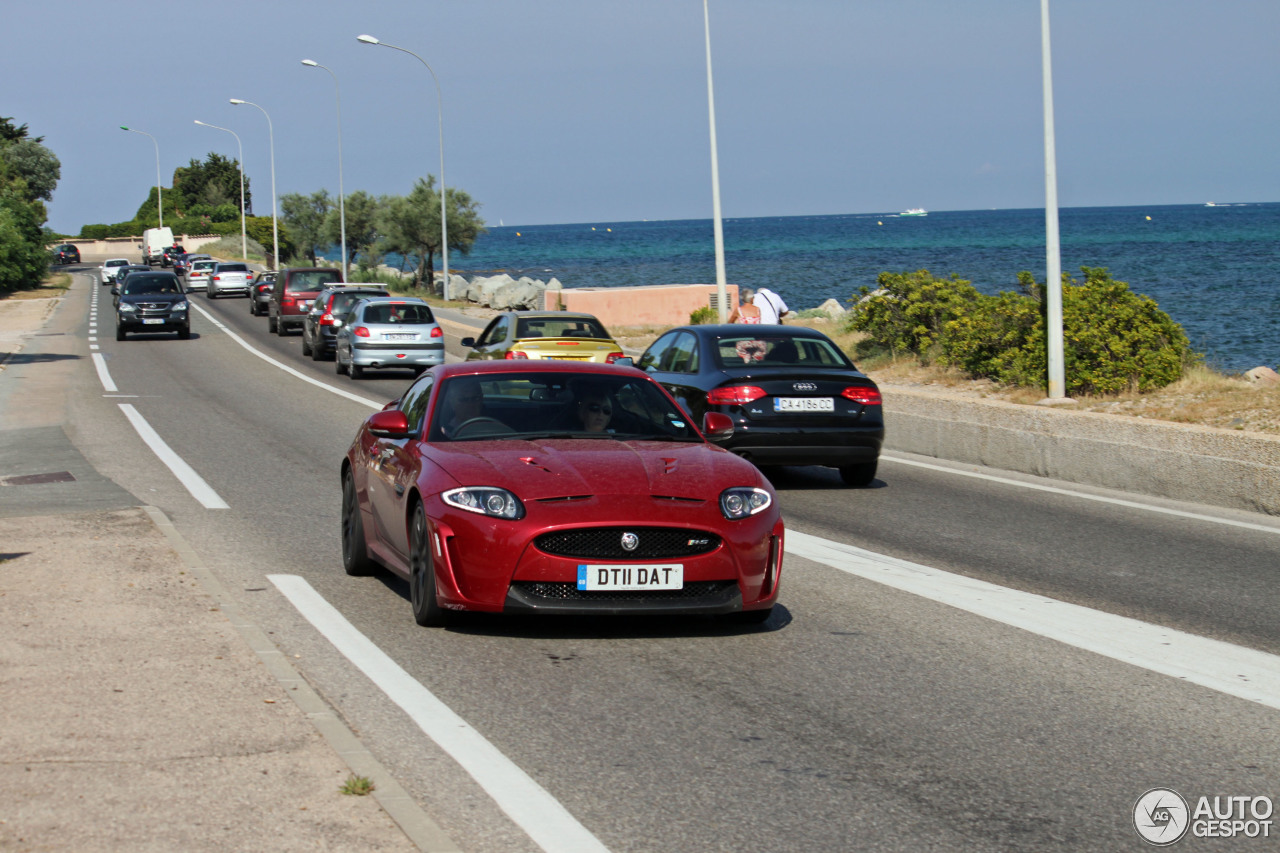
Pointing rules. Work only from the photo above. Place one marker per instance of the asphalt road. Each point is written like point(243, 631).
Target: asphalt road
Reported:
point(861, 717)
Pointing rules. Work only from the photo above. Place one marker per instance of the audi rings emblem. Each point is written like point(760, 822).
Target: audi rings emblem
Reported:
point(805, 386)
point(630, 541)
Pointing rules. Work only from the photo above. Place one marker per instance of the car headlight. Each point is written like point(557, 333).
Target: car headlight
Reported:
point(127, 307)
point(486, 500)
point(179, 306)
point(743, 502)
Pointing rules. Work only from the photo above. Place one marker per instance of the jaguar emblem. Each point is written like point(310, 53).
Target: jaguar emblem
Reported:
point(805, 386)
point(630, 541)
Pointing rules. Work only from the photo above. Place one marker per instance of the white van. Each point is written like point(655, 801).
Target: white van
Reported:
point(153, 242)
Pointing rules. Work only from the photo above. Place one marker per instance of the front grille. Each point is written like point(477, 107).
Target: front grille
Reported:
point(550, 592)
point(655, 543)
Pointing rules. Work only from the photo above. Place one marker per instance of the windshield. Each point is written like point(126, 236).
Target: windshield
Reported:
point(140, 284)
point(556, 405)
point(119, 263)
point(397, 314)
point(201, 266)
point(232, 268)
point(557, 327)
point(778, 350)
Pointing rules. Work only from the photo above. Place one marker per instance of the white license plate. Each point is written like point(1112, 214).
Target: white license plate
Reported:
point(398, 337)
point(152, 322)
point(633, 577)
point(804, 404)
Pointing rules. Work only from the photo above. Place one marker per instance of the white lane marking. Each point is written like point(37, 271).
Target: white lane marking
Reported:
point(1073, 494)
point(194, 483)
point(1224, 667)
point(100, 364)
point(534, 810)
point(286, 368)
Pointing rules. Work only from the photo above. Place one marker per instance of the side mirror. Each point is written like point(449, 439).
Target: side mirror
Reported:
point(468, 342)
point(625, 361)
point(115, 291)
point(390, 424)
point(717, 425)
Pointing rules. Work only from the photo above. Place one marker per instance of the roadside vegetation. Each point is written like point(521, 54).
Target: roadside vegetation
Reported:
point(29, 173)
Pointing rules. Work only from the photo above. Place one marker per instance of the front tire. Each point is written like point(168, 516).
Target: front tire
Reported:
point(422, 576)
point(119, 333)
point(185, 333)
point(859, 475)
point(355, 550)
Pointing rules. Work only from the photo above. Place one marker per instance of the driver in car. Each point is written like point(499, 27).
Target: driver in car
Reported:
point(464, 403)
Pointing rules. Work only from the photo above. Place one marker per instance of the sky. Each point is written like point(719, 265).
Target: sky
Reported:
point(583, 111)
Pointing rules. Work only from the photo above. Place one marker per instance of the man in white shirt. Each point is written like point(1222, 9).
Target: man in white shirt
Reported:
point(771, 306)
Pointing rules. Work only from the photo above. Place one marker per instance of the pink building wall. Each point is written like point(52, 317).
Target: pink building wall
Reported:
point(662, 304)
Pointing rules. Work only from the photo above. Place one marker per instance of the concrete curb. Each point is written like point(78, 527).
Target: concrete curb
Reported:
point(417, 826)
point(1185, 462)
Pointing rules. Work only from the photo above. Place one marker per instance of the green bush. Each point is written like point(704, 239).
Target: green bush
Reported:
point(1113, 339)
point(704, 315)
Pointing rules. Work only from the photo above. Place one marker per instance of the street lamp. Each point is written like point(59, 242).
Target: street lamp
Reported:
point(275, 229)
point(159, 206)
point(1053, 252)
point(342, 205)
point(717, 224)
point(444, 224)
point(244, 240)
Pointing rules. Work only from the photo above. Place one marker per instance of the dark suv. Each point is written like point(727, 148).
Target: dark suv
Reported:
point(151, 302)
point(293, 293)
point(66, 254)
point(320, 326)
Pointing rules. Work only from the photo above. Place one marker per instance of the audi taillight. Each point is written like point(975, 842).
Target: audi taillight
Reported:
point(734, 395)
point(863, 395)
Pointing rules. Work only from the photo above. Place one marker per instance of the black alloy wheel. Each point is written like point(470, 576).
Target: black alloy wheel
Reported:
point(355, 553)
point(422, 575)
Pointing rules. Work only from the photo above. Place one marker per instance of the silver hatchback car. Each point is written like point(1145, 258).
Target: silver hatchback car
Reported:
point(385, 332)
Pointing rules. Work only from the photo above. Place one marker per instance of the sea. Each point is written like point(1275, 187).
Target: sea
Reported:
point(1214, 268)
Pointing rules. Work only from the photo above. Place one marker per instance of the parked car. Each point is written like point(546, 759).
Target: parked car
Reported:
point(260, 292)
point(167, 254)
point(793, 396)
point(107, 272)
point(385, 332)
point(151, 302)
point(66, 254)
point(544, 334)
point(198, 274)
point(228, 277)
point(320, 326)
point(293, 293)
point(122, 273)
point(510, 511)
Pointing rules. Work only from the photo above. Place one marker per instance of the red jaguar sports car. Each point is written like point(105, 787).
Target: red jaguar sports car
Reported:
point(557, 488)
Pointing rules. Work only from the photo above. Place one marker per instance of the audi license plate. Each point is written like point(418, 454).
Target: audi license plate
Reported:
point(804, 404)
point(634, 577)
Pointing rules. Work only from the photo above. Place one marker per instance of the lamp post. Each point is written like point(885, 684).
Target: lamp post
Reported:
point(717, 224)
point(444, 224)
point(275, 228)
point(1053, 252)
point(159, 206)
point(342, 204)
point(244, 239)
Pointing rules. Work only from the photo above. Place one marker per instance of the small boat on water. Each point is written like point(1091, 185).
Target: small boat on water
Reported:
point(914, 211)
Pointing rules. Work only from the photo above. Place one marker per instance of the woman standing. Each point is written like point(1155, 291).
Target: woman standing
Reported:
point(745, 312)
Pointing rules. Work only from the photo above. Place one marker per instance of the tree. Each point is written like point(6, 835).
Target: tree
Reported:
point(411, 225)
point(362, 224)
point(199, 188)
point(29, 172)
point(304, 217)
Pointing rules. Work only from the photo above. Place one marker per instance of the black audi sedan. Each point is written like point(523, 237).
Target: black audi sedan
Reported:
point(151, 302)
point(795, 398)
